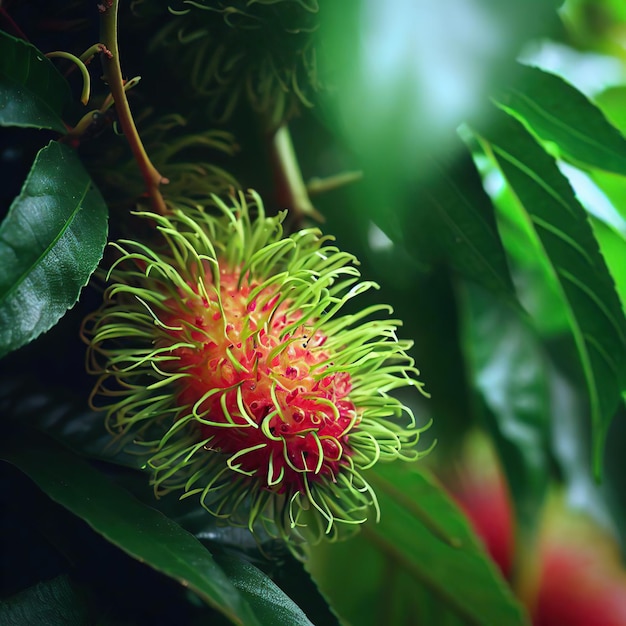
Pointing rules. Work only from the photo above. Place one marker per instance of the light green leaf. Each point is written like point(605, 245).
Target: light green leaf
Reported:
point(32, 91)
point(611, 101)
point(420, 565)
point(613, 104)
point(558, 113)
point(559, 225)
point(614, 188)
point(50, 243)
point(613, 247)
point(537, 288)
point(140, 531)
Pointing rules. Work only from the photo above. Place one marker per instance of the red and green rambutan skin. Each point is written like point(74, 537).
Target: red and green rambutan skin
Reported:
point(221, 352)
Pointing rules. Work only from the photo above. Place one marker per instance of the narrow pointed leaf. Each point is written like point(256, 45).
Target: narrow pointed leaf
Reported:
point(50, 243)
point(558, 113)
point(564, 236)
point(455, 218)
point(422, 552)
point(32, 91)
point(139, 530)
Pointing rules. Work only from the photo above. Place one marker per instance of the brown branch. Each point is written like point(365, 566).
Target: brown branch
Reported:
point(113, 76)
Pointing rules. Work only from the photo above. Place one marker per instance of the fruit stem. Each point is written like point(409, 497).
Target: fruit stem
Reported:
point(290, 188)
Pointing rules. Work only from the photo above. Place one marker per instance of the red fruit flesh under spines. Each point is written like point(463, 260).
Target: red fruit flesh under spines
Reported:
point(275, 403)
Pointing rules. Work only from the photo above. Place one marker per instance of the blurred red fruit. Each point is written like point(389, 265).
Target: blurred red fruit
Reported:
point(578, 578)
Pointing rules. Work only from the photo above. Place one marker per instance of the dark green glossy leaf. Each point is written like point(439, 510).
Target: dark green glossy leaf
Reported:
point(432, 326)
point(291, 576)
point(70, 422)
point(571, 442)
point(53, 603)
point(511, 372)
point(67, 420)
point(422, 548)
point(445, 219)
point(50, 243)
point(32, 91)
point(139, 530)
point(559, 225)
point(557, 112)
point(269, 602)
point(454, 218)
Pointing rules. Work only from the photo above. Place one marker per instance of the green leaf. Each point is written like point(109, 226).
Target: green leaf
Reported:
point(614, 188)
point(558, 113)
point(613, 104)
point(511, 372)
point(455, 217)
point(291, 576)
point(32, 91)
point(53, 603)
point(50, 243)
point(613, 247)
point(268, 601)
point(58, 414)
point(137, 529)
point(447, 219)
point(537, 289)
point(432, 326)
point(422, 548)
point(612, 101)
point(559, 225)
point(65, 418)
point(405, 75)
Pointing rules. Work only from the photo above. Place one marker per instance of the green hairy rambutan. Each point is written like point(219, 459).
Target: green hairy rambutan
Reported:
point(223, 352)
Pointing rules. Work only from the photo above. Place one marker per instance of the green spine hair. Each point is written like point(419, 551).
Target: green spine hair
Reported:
point(223, 352)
